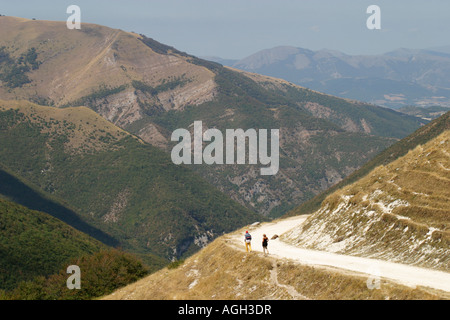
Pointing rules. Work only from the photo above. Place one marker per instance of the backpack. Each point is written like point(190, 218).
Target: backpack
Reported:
point(248, 236)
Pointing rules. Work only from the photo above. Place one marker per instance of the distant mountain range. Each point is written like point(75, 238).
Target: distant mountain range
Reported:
point(428, 113)
point(150, 89)
point(394, 79)
point(86, 118)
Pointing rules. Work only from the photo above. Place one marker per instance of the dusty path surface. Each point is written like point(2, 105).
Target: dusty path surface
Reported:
point(400, 273)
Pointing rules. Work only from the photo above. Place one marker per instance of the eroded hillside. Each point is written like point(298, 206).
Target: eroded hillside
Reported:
point(398, 212)
point(151, 89)
point(117, 183)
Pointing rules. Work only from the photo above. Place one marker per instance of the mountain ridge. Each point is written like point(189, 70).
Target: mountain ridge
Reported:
point(126, 188)
point(407, 235)
point(398, 212)
point(150, 89)
point(393, 79)
point(397, 150)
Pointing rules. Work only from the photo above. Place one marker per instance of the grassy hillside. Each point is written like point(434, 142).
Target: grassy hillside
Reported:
point(72, 64)
point(33, 243)
point(421, 136)
point(351, 115)
point(149, 89)
point(398, 211)
point(222, 272)
point(314, 153)
point(117, 183)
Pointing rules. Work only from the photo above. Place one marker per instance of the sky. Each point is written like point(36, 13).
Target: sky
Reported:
point(234, 29)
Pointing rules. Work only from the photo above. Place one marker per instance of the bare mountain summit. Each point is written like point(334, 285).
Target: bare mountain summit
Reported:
point(151, 89)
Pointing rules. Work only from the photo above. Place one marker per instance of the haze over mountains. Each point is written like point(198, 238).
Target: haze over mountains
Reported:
point(394, 79)
point(86, 118)
point(151, 89)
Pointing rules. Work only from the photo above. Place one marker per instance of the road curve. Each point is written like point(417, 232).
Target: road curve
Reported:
point(401, 273)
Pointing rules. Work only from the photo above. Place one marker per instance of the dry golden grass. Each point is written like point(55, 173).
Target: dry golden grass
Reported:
point(422, 178)
point(77, 123)
point(216, 272)
point(222, 271)
point(398, 212)
point(323, 284)
point(77, 62)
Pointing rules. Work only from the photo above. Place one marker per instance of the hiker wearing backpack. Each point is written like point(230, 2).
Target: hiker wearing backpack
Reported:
point(264, 244)
point(248, 241)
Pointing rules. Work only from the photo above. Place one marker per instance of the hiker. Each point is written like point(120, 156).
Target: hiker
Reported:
point(248, 241)
point(264, 244)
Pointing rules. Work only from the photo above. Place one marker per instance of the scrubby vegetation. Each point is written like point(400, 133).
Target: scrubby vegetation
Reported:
point(28, 195)
point(118, 184)
point(101, 274)
point(158, 47)
point(97, 95)
point(166, 85)
point(13, 72)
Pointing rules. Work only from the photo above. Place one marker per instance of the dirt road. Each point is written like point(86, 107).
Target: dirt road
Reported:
point(375, 269)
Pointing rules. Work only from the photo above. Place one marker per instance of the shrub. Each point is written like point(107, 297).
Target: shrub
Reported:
point(101, 273)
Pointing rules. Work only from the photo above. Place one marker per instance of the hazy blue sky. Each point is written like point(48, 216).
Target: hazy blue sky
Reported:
point(238, 28)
